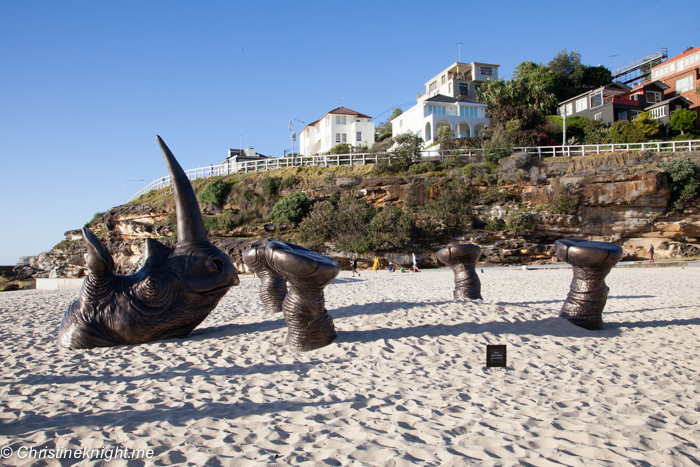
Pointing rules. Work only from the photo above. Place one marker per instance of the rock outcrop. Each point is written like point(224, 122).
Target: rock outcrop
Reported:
point(621, 197)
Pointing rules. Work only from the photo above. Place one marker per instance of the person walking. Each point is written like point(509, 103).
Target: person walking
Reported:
point(375, 266)
point(415, 263)
point(651, 253)
point(353, 266)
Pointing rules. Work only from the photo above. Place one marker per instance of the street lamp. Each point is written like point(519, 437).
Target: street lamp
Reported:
point(294, 135)
point(125, 187)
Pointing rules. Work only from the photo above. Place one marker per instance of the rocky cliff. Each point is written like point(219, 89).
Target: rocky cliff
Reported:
point(620, 197)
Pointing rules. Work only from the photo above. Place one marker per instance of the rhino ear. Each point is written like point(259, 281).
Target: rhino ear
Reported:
point(155, 252)
point(99, 261)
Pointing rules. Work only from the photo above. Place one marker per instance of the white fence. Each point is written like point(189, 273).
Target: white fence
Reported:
point(427, 155)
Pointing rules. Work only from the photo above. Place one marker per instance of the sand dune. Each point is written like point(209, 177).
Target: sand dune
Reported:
point(404, 384)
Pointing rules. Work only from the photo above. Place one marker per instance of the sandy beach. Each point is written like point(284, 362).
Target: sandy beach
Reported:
point(404, 384)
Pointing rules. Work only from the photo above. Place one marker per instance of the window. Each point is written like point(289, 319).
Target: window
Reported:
point(436, 109)
point(337, 137)
point(358, 137)
point(401, 123)
point(569, 109)
point(622, 115)
point(443, 79)
point(449, 88)
point(432, 86)
point(318, 128)
point(634, 113)
point(672, 67)
point(658, 112)
point(598, 116)
point(463, 89)
point(684, 84)
point(340, 119)
point(679, 65)
point(597, 99)
point(653, 97)
point(486, 70)
point(344, 138)
point(581, 105)
point(634, 97)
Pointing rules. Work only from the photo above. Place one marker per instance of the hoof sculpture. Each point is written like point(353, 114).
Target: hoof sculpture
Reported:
point(462, 259)
point(591, 262)
point(273, 286)
point(309, 326)
point(175, 289)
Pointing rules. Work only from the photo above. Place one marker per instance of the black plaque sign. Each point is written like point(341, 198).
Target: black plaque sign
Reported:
point(496, 356)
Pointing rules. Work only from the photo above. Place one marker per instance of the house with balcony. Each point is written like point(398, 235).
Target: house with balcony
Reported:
point(682, 76)
point(449, 100)
point(614, 102)
point(340, 125)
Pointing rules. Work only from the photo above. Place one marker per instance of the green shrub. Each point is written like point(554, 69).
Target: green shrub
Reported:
point(389, 229)
point(351, 221)
point(648, 126)
point(270, 185)
point(94, 219)
point(622, 132)
point(683, 120)
point(562, 199)
point(423, 167)
point(684, 180)
point(318, 227)
point(213, 194)
point(289, 182)
point(495, 225)
point(341, 148)
point(292, 208)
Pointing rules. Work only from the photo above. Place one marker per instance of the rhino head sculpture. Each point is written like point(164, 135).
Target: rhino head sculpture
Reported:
point(175, 289)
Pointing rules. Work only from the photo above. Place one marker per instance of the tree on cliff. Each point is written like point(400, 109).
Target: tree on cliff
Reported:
point(683, 120)
point(384, 130)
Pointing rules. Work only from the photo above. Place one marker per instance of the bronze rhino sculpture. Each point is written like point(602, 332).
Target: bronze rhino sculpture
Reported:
point(174, 291)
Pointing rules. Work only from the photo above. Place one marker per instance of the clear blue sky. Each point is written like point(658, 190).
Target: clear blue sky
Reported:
point(86, 85)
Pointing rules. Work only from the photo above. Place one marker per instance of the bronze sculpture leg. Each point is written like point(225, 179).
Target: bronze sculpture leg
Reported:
point(273, 287)
point(462, 259)
point(309, 326)
point(588, 293)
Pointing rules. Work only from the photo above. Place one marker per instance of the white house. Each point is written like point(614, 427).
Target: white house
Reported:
point(340, 125)
point(449, 100)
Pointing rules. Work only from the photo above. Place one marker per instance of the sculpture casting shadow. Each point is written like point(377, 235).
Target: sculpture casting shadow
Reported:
point(168, 297)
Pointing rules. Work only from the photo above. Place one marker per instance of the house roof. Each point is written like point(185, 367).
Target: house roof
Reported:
point(338, 111)
point(659, 84)
point(452, 100)
point(668, 101)
point(613, 89)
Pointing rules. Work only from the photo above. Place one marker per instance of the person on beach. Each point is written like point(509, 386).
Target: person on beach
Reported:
point(651, 253)
point(375, 266)
point(353, 266)
point(391, 267)
point(415, 263)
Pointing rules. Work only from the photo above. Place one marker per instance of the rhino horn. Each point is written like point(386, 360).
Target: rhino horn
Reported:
point(190, 226)
point(99, 261)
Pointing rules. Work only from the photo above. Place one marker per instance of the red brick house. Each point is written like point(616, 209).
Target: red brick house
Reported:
point(682, 75)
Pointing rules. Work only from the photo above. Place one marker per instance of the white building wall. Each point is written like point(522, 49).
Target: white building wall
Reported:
point(323, 140)
point(416, 118)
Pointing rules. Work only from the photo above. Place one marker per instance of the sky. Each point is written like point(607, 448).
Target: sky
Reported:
point(86, 86)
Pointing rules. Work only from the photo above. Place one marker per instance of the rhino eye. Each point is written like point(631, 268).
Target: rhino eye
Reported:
point(214, 264)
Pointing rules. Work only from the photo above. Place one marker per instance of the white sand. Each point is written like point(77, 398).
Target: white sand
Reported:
point(404, 384)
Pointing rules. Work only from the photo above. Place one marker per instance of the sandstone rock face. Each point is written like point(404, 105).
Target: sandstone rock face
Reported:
point(622, 197)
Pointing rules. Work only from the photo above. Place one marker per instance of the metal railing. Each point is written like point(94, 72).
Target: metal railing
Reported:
point(432, 155)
